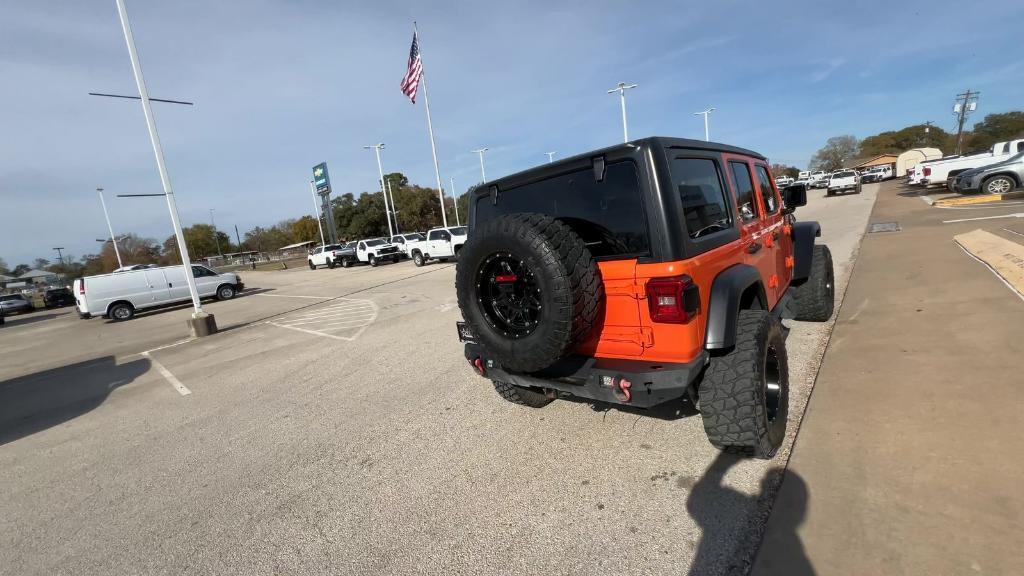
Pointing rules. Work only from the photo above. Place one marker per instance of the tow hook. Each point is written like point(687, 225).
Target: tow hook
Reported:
point(622, 390)
point(478, 366)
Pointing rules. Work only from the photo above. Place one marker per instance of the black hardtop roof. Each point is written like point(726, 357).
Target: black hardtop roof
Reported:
point(558, 166)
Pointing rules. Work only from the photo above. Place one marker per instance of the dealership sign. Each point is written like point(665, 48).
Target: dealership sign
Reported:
point(321, 179)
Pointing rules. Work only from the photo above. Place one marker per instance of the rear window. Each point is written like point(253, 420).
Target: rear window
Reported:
point(608, 215)
point(458, 230)
point(844, 174)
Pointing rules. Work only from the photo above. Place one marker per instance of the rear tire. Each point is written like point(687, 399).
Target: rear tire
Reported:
point(417, 259)
point(744, 396)
point(121, 311)
point(522, 396)
point(814, 300)
point(346, 263)
point(330, 264)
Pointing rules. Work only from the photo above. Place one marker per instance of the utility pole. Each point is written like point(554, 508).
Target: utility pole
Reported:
point(927, 129)
point(965, 103)
point(551, 157)
point(621, 88)
point(238, 238)
point(455, 196)
point(380, 169)
point(110, 228)
point(215, 238)
point(393, 211)
point(201, 324)
point(706, 113)
point(316, 210)
point(60, 257)
point(483, 174)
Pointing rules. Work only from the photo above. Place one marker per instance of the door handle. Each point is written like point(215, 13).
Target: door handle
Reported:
point(169, 285)
point(754, 248)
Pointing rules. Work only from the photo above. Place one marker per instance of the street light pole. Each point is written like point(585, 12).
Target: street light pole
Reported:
point(483, 174)
point(316, 210)
point(110, 228)
point(380, 169)
point(455, 196)
point(215, 238)
point(203, 323)
point(393, 211)
point(551, 157)
point(705, 113)
point(621, 88)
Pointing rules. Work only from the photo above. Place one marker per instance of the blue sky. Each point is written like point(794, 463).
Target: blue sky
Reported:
point(280, 86)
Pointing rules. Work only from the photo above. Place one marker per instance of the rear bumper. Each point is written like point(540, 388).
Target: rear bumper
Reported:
point(651, 383)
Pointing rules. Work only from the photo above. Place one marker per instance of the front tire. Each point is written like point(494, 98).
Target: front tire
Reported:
point(373, 260)
point(998, 185)
point(311, 265)
point(225, 292)
point(523, 396)
point(330, 264)
point(744, 397)
point(417, 259)
point(814, 300)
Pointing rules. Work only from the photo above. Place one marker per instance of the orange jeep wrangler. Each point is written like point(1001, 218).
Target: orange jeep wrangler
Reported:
point(640, 274)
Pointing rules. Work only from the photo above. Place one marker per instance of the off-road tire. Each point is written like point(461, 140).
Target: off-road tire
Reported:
point(998, 185)
point(569, 283)
point(522, 396)
point(814, 300)
point(733, 394)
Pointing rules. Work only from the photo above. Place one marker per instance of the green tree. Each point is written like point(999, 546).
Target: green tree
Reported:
point(898, 141)
point(305, 229)
point(996, 128)
point(201, 241)
point(837, 152)
point(40, 264)
point(784, 170)
point(3, 267)
point(20, 269)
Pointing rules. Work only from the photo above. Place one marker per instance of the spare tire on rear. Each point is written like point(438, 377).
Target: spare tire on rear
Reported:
point(529, 289)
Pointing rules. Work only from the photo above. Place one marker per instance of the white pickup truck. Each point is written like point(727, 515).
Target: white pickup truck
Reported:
point(937, 172)
point(329, 256)
point(842, 182)
point(441, 243)
point(376, 249)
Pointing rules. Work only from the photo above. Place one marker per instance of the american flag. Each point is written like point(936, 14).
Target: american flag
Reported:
point(411, 82)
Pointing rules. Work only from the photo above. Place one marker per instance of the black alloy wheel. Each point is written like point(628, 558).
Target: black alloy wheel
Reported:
point(509, 295)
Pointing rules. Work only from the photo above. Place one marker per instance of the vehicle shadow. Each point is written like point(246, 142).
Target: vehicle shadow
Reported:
point(32, 403)
point(21, 319)
point(724, 513)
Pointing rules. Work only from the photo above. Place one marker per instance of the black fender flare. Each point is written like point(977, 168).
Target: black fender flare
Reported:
point(724, 304)
point(804, 234)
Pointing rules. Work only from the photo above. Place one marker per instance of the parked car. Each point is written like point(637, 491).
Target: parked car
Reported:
point(938, 171)
point(877, 174)
point(373, 250)
point(15, 303)
point(119, 296)
point(57, 297)
point(585, 277)
point(783, 181)
point(842, 182)
point(441, 244)
point(324, 256)
point(403, 240)
point(998, 178)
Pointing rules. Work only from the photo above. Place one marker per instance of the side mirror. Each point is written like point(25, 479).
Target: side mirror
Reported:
point(793, 196)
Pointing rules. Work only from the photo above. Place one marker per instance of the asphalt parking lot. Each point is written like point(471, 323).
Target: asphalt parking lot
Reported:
point(333, 426)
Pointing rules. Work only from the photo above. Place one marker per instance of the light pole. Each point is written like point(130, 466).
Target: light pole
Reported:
point(483, 174)
point(455, 196)
point(380, 169)
point(114, 241)
point(110, 228)
point(316, 210)
point(621, 88)
point(705, 113)
point(393, 211)
point(551, 157)
point(202, 324)
point(215, 238)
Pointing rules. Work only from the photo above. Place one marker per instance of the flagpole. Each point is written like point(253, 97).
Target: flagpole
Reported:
point(430, 127)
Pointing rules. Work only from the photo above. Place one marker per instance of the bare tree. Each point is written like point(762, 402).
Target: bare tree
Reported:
point(835, 154)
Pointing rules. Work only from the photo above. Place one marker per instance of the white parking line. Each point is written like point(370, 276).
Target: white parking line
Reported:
point(294, 296)
point(308, 319)
point(314, 332)
point(168, 376)
point(348, 316)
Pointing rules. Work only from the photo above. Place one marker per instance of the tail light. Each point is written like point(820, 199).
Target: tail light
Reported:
point(927, 171)
point(81, 287)
point(674, 300)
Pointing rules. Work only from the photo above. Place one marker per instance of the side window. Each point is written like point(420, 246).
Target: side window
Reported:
point(771, 198)
point(439, 235)
point(199, 272)
point(746, 203)
point(1020, 146)
point(362, 246)
point(705, 209)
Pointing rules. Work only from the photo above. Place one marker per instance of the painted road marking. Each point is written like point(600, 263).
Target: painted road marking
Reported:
point(1002, 257)
point(294, 296)
point(1014, 215)
point(982, 199)
point(1013, 232)
point(168, 376)
point(342, 319)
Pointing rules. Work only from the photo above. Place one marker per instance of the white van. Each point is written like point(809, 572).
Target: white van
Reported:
point(119, 295)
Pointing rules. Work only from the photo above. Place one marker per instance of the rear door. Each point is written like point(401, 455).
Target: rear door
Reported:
point(753, 227)
point(777, 242)
point(158, 289)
